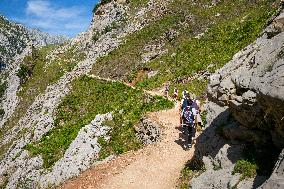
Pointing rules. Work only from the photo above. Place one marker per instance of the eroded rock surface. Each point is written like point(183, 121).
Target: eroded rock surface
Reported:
point(246, 107)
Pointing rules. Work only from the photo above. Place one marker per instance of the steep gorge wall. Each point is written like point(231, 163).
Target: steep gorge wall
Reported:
point(246, 108)
point(16, 41)
point(18, 168)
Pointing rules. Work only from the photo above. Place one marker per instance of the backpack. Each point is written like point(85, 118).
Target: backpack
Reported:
point(188, 115)
point(194, 105)
point(185, 103)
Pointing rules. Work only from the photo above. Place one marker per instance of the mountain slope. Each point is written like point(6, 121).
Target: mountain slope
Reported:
point(16, 42)
point(32, 120)
point(61, 117)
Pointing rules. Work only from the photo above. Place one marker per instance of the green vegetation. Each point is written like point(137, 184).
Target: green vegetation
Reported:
point(109, 28)
point(3, 87)
point(137, 3)
point(133, 4)
point(96, 35)
point(45, 72)
point(2, 112)
point(192, 169)
point(4, 181)
point(27, 67)
point(239, 24)
point(88, 98)
point(245, 168)
point(257, 160)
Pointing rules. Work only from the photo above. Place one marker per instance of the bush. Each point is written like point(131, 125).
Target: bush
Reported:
point(24, 73)
point(246, 169)
point(96, 7)
point(96, 36)
point(3, 87)
point(193, 168)
point(27, 67)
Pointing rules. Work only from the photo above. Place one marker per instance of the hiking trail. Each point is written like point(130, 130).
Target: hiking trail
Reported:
point(154, 166)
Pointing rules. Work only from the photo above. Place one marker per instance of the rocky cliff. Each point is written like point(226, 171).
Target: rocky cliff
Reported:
point(68, 113)
point(14, 38)
point(244, 137)
point(16, 42)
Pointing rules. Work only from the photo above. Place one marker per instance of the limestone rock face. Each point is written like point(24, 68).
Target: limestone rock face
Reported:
point(80, 155)
point(251, 85)
point(16, 41)
point(246, 100)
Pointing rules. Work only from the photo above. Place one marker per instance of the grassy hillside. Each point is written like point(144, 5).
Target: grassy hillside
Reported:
point(88, 98)
point(228, 27)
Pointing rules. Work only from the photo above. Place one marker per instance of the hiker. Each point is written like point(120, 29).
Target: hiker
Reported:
point(175, 95)
point(184, 103)
point(196, 105)
point(167, 89)
point(188, 119)
point(184, 94)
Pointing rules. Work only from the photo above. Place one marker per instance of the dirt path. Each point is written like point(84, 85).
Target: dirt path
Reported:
point(155, 166)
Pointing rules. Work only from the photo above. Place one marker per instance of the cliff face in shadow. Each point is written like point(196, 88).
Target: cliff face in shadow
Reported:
point(245, 129)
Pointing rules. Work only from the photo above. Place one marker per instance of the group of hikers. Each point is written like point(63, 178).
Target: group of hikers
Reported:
point(189, 114)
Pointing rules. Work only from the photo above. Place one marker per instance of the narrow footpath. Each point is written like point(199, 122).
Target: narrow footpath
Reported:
point(155, 166)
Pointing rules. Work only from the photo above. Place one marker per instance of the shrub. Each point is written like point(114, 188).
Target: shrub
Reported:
point(257, 160)
point(193, 168)
point(27, 67)
point(96, 7)
point(96, 35)
point(24, 73)
point(3, 87)
point(245, 168)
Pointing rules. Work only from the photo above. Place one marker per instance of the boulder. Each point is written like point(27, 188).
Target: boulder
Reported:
point(147, 131)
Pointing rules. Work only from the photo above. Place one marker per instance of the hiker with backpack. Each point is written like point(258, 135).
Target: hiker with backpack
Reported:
point(175, 95)
point(196, 105)
point(188, 120)
point(167, 89)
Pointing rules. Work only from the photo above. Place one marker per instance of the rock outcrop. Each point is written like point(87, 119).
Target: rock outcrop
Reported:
point(147, 131)
point(249, 94)
point(15, 38)
point(251, 85)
